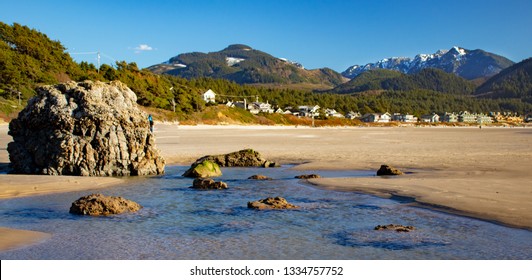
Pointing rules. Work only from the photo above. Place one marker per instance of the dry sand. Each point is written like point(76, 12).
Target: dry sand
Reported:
point(483, 173)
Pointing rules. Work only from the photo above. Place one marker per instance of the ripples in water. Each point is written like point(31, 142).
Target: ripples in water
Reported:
point(181, 223)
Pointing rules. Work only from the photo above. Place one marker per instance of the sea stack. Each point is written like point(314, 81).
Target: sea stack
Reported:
point(87, 129)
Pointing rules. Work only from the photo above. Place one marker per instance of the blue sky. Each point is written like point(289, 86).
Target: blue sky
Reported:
point(334, 33)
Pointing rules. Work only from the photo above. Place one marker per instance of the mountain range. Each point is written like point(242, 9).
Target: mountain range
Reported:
point(245, 65)
point(468, 64)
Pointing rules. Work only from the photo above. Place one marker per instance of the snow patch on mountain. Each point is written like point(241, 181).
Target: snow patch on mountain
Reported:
point(233, 60)
point(297, 64)
point(455, 60)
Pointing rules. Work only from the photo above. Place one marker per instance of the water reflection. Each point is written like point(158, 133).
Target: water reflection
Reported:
point(181, 223)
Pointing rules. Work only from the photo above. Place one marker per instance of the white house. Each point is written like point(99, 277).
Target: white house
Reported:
point(404, 118)
point(352, 115)
point(209, 96)
point(309, 111)
point(258, 107)
point(430, 118)
point(333, 113)
point(377, 117)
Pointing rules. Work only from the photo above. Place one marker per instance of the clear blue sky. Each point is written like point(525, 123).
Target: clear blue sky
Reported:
point(334, 34)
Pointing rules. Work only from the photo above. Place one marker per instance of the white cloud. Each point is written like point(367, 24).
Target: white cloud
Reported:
point(143, 48)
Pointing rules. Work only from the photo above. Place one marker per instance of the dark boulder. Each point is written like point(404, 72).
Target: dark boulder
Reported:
point(101, 205)
point(271, 203)
point(242, 158)
point(308, 176)
point(388, 170)
point(398, 228)
point(208, 184)
point(259, 177)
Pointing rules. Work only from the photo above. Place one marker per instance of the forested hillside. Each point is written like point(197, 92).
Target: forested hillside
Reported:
point(512, 82)
point(28, 58)
point(245, 65)
point(428, 79)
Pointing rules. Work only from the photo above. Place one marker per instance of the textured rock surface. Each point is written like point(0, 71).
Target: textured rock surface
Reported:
point(398, 228)
point(101, 205)
point(208, 184)
point(388, 170)
point(308, 176)
point(271, 203)
point(88, 129)
point(242, 158)
point(203, 169)
point(259, 177)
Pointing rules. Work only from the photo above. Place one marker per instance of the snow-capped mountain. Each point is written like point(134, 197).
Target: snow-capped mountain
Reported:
point(469, 64)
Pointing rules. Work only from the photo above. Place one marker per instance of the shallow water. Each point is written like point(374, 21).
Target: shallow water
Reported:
point(181, 223)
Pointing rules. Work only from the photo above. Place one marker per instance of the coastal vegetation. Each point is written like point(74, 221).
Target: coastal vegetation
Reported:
point(28, 59)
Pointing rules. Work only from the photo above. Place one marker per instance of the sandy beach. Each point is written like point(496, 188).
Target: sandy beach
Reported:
point(482, 173)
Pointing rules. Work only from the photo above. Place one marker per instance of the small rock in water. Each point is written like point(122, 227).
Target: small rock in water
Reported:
point(398, 228)
point(388, 170)
point(308, 176)
point(271, 203)
point(208, 184)
point(101, 205)
point(259, 177)
point(203, 169)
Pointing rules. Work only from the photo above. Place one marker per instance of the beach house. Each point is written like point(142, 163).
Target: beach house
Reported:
point(449, 117)
point(209, 96)
point(430, 118)
point(377, 117)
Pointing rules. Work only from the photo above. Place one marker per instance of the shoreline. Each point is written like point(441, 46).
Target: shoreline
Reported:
point(416, 200)
point(478, 173)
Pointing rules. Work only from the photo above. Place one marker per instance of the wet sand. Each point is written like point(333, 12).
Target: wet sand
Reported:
point(482, 173)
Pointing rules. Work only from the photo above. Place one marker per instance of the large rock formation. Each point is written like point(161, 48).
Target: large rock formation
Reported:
point(88, 129)
point(101, 205)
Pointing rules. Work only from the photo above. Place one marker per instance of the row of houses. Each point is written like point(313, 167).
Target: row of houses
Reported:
point(314, 112)
point(463, 117)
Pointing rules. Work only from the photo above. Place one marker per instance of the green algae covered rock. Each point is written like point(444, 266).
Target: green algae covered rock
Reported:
point(203, 169)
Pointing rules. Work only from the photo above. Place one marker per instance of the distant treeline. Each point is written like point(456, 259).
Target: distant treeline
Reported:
point(28, 58)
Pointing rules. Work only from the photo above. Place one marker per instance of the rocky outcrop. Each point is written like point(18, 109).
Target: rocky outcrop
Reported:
point(398, 228)
point(87, 129)
point(208, 184)
point(271, 203)
point(388, 170)
point(203, 169)
point(101, 205)
point(259, 177)
point(242, 158)
point(308, 176)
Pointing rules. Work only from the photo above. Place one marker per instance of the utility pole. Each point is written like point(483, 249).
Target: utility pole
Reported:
point(172, 101)
point(98, 56)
